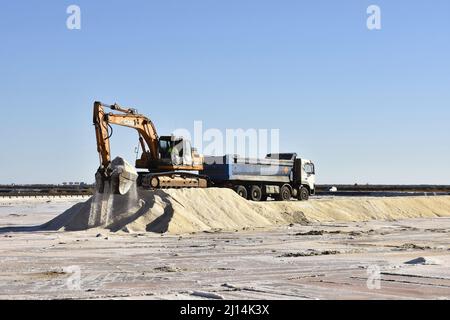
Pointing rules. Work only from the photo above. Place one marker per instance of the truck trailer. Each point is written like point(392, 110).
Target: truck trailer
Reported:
point(280, 176)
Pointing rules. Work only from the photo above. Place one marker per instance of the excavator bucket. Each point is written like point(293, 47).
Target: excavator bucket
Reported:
point(100, 182)
point(120, 180)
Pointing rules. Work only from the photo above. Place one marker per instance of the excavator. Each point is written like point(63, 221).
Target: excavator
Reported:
point(169, 161)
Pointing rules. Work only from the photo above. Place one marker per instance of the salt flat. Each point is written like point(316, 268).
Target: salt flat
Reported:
point(316, 260)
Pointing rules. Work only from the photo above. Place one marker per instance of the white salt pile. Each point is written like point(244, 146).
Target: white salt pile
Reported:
point(192, 210)
point(172, 210)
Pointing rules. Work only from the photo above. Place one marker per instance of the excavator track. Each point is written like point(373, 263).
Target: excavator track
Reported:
point(172, 179)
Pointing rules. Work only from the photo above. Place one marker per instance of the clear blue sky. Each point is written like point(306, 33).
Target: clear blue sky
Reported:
point(366, 106)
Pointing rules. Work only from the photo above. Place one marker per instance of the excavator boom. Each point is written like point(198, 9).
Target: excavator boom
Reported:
point(127, 118)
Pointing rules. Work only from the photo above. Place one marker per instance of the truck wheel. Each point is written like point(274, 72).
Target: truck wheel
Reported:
point(242, 191)
point(285, 194)
point(303, 194)
point(255, 193)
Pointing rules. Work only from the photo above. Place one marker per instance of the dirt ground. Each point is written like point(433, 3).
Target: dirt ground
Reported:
point(354, 260)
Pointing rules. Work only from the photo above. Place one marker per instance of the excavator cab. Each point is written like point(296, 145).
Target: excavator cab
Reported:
point(175, 151)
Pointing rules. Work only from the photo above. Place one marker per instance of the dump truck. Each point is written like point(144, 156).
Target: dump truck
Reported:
point(280, 176)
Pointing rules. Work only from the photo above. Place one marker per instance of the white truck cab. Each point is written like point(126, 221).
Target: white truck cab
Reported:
point(308, 177)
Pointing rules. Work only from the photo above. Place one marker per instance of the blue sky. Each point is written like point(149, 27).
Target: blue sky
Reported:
point(366, 106)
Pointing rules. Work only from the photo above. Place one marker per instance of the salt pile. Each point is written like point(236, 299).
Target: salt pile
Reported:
point(172, 210)
point(192, 210)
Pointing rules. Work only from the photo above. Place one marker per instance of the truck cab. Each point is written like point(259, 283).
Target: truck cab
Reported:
point(302, 176)
point(307, 175)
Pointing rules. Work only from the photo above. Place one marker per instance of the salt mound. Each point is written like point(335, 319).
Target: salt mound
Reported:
point(192, 210)
point(172, 210)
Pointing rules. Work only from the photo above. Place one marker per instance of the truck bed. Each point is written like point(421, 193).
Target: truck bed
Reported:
point(234, 168)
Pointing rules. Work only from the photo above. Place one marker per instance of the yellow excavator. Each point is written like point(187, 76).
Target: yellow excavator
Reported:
point(170, 161)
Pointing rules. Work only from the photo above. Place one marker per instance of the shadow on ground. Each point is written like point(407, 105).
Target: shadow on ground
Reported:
point(76, 218)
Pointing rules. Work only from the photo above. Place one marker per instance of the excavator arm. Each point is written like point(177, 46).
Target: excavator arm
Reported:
point(118, 173)
point(128, 118)
point(102, 135)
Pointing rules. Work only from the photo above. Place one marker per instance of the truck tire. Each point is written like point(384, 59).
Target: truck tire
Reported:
point(285, 194)
point(255, 193)
point(242, 191)
point(303, 194)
